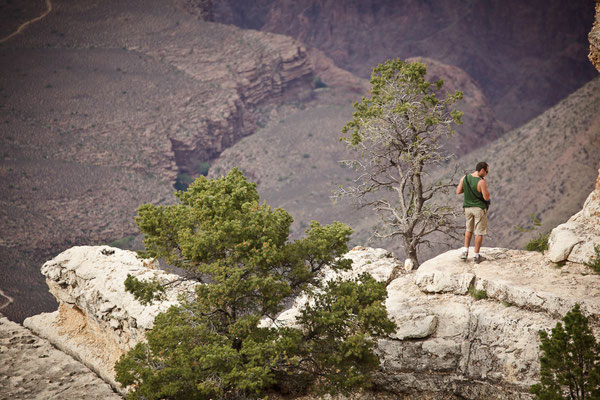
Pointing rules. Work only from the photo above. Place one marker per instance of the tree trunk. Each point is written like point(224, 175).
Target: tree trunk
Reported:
point(411, 251)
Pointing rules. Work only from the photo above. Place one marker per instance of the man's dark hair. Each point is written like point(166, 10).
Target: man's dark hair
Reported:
point(480, 165)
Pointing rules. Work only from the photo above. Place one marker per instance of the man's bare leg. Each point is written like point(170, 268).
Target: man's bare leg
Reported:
point(478, 241)
point(465, 251)
point(468, 236)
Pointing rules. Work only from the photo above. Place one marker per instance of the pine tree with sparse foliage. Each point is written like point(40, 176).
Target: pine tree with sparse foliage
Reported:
point(398, 134)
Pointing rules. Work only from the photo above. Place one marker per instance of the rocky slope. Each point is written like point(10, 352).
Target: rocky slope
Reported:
point(526, 56)
point(104, 103)
point(479, 123)
point(448, 345)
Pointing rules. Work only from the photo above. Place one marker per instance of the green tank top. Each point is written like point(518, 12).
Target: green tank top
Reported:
point(469, 199)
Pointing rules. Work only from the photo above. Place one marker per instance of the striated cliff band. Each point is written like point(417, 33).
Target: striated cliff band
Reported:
point(448, 345)
point(526, 56)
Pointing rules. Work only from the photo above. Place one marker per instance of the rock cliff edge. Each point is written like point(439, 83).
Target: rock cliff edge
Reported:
point(448, 344)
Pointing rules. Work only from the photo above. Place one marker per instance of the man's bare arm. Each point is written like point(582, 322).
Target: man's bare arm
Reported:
point(459, 188)
point(483, 189)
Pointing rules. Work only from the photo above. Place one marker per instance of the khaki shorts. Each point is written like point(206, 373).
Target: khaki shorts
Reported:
point(476, 220)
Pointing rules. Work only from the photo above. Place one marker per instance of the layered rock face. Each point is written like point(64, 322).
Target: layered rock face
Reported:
point(594, 38)
point(525, 55)
point(97, 321)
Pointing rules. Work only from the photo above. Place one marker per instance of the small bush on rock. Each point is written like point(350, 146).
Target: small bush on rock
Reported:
point(477, 294)
point(538, 244)
point(594, 262)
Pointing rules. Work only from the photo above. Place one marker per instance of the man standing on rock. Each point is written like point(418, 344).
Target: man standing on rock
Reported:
point(475, 203)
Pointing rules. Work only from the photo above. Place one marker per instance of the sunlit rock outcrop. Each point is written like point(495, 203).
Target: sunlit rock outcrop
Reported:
point(464, 330)
point(575, 239)
point(97, 320)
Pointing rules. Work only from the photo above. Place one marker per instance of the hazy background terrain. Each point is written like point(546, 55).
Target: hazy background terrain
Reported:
point(105, 105)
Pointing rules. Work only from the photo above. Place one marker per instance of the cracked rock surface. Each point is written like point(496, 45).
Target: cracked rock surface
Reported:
point(448, 345)
point(31, 368)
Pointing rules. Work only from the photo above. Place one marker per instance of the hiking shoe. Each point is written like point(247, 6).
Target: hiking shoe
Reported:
point(464, 254)
point(477, 258)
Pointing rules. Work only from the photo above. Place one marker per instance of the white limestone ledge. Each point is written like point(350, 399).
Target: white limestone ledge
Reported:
point(98, 320)
point(524, 279)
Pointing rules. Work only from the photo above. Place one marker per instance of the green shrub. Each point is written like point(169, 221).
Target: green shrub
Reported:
point(144, 292)
point(477, 294)
point(538, 244)
point(203, 168)
point(213, 346)
point(319, 83)
point(183, 181)
point(541, 242)
point(594, 262)
point(569, 363)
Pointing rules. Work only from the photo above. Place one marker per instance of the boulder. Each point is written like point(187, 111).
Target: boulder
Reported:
point(575, 239)
point(97, 320)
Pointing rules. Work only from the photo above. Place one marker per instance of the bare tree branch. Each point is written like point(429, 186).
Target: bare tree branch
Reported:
point(398, 135)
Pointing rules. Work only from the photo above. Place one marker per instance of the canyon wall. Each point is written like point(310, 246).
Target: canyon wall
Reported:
point(104, 104)
point(525, 55)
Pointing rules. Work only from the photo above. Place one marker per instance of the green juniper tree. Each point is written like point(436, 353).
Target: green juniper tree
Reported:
point(398, 134)
point(570, 361)
point(215, 345)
